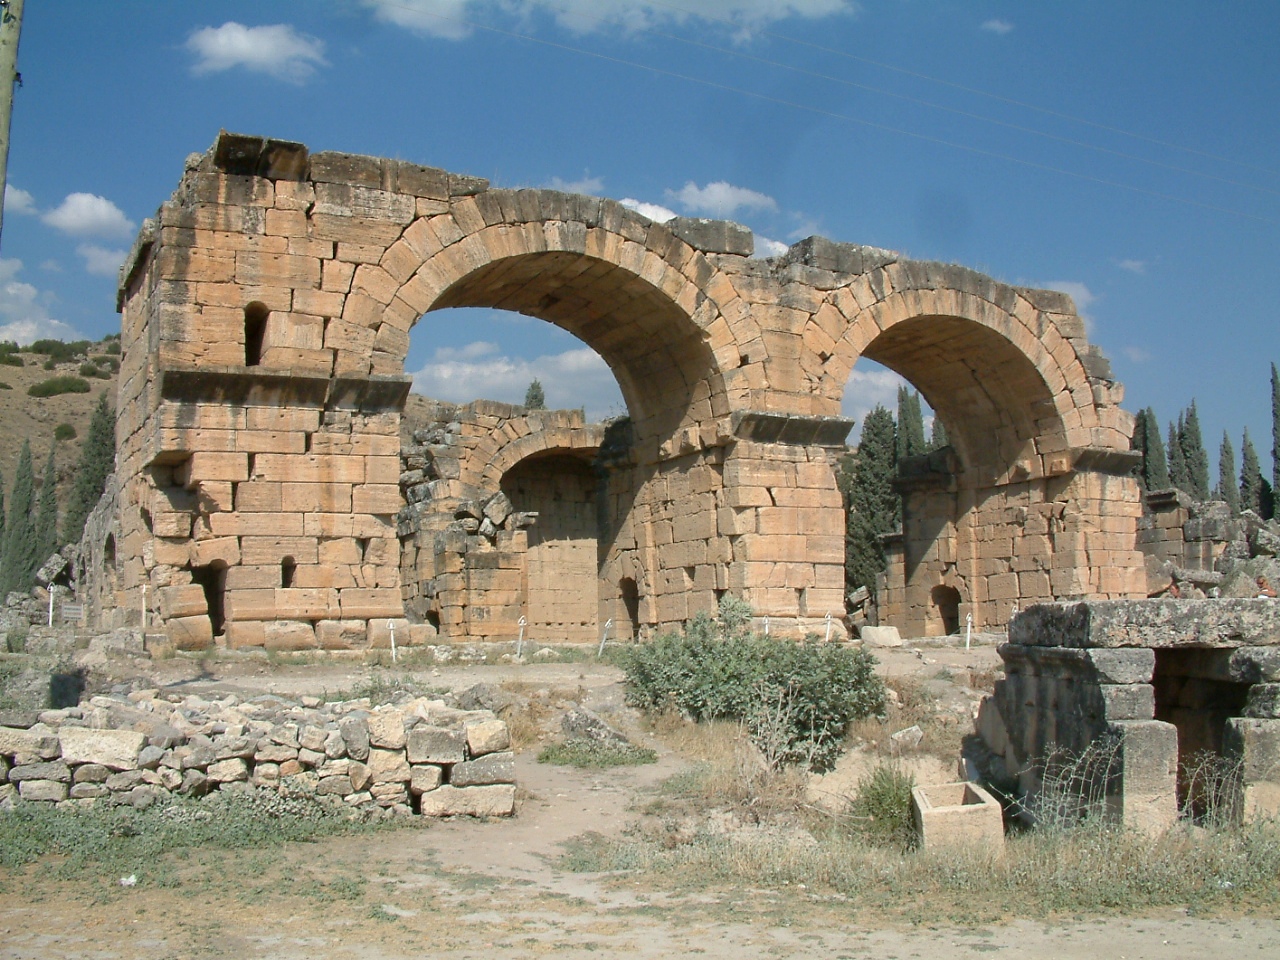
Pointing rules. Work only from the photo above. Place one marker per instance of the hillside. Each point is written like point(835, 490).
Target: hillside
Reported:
point(23, 417)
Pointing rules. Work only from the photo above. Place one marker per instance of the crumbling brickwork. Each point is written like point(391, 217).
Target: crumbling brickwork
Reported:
point(266, 316)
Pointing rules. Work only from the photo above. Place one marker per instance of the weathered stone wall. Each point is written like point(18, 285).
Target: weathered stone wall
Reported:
point(1166, 680)
point(266, 312)
point(417, 757)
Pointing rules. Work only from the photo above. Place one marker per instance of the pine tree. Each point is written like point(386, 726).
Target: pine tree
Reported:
point(1193, 454)
point(97, 461)
point(938, 435)
point(909, 441)
point(47, 517)
point(1275, 428)
point(19, 567)
point(1177, 462)
point(534, 397)
point(1228, 489)
point(1250, 477)
point(873, 505)
point(1155, 468)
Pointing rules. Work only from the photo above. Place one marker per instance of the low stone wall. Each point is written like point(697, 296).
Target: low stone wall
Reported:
point(418, 757)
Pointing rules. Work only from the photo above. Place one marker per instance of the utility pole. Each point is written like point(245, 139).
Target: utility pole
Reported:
point(10, 33)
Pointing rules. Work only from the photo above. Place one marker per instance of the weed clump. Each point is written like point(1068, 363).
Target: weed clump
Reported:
point(796, 699)
point(881, 809)
point(596, 754)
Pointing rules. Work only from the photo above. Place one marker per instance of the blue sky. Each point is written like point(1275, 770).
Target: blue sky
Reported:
point(1125, 152)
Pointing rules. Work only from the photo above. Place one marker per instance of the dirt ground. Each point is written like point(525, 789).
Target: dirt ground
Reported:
point(468, 888)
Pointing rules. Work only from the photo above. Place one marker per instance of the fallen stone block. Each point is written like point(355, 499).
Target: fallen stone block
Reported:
point(450, 801)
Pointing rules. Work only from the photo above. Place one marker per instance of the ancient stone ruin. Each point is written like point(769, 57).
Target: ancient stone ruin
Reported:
point(261, 498)
point(1161, 687)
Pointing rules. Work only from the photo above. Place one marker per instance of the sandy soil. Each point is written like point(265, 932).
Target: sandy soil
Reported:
point(492, 889)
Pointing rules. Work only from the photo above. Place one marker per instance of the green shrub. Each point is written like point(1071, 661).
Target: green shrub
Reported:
point(50, 364)
point(5, 386)
point(594, 753)
point(58, 385)
point(881, 809)
point(57, 350)
point(64, 431)
point(88, 369)
point(796, 699)
point(11, 359)
point(113, 346)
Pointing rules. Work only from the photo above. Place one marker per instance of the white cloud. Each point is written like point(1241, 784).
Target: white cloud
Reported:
point(88, 215)
point(450, 19)
point(24, 310)
point(278, 51)
point(720, 199)
point(1136, 354)
point(591, 186)
point(997, 26)
point(1133, 266)
point(651, 210)
point(52, 266)
point(101, 261)
point(575, 378)
point(769, 248)
point(868, 388)
point(17, 200)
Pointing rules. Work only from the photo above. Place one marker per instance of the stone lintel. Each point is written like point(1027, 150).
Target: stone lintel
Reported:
point(850, 258)
point(376, 394)
point(1158, 623)
point(791, 428)
point(242, 386)
point(1159, 501)
point(1117, 463)
point(1112, 667)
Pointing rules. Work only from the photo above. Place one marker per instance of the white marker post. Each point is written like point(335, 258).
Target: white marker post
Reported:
point(391, 625)
point(968, 629)
point(520, 640)
point(603, 637)
point(52, 588)
point(828, 627)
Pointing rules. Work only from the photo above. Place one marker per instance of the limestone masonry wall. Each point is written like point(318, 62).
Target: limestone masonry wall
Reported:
point(266, 312)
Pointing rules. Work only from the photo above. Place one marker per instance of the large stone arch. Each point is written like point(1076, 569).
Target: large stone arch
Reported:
point(266, 313)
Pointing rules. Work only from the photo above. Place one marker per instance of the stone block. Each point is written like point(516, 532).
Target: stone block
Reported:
point(111, 749)
point(491, 768)
point(234, 770)
point(190, 633)
point(487, 736)
point(37, 791)
point(436, 745)
point(388, 766)
point(386, 729)
point(288, 635)
point(886, 636)
point(498, 800)
point(424, 777)
point(957, 815)
point(1143, 794)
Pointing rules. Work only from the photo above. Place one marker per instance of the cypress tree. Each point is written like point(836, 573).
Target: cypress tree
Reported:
point(1228, 489)
point(938, 435)
point(872, 503)
point(1275, 428)
point(47, 518)
point(1177, 461)
point(910, 438)
point(1197, 461)
point(20, 563)
point(1250, 476)
point(1155, 468)
point(534, 397)
point(97, 461)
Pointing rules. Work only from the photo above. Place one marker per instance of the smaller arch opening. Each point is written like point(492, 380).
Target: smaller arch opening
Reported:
point(212, 579)
point(288, 571)
point(631, 604)
point(255, 332)
point(946, 601)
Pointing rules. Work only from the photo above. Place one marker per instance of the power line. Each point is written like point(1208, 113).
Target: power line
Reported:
point(837, 116)
point(976, 91)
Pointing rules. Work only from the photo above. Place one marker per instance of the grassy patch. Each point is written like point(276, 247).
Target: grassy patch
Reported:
point(59, 385)
point(385, 687)
point(594, 753)
point(1092, 870)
